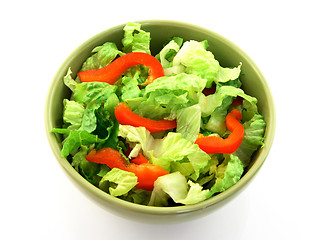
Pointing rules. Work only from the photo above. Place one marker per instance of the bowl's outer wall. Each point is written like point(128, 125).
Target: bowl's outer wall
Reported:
point(225, 51)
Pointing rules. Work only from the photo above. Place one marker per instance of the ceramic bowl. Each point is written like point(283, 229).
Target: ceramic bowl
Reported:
point(228, 55)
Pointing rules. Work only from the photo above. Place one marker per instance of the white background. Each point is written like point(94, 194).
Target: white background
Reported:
point(284, 38)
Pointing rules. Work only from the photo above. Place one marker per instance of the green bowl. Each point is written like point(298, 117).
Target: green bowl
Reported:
point(227, 53)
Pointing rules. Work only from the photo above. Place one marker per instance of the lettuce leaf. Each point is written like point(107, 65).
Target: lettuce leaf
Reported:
point(227, 174)
point(87, 169)
point(175, 185)
point(197, 61)
point(101, 56)
point(69, 81)
point(163, 152)
point(89, 120)
point(75, 139)
point(168, 52)
point(140, 138)
point(228, 74)
point(188, 122)
point(135, 39)
point(211, 102)
point(86, 92)
point(216, 122)
point(73, 114)
point(162, 98)
point(130, 88)
point(125, 182)
point(193, 58)
point(253, 138)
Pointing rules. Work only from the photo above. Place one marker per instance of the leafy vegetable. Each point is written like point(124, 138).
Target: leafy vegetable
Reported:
point(227, 174)
point(175, 185)
point(102, 56)
point(166, 95)
point(125, 182)
point(135, 39)
point(253, 138)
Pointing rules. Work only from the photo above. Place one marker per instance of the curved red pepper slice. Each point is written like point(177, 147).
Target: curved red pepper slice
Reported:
point(113, 71)
point(146, 172)
point(140, 159)
point(214, 144)
point(125, 116)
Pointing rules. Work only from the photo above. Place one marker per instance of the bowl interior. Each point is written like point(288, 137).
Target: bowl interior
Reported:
point(228, 55)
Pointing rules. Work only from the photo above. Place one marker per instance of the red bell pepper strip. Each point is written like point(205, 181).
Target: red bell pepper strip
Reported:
point(139, 159)
point(146, 172)
point(214, 144)
point(113, 71)
point(111, 157)
point(125, 116)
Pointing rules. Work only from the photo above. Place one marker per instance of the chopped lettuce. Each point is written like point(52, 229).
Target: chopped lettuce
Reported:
point(73, 114)
point(88, 169)
point(193, 58)
point(211, 102)
point(175, 186)
point(125, 182)
point(93, 91)
point(162, 98)
point(89, 120)
point(172, 148)
point(168, 52)
point(188, 122)
point(253, 138)
point(69, 81)
point(130, 88)
point(135, 39)
point(198, 61)
point(216, 122)
point(75, 139)
point(227, 174)
point(102, 56)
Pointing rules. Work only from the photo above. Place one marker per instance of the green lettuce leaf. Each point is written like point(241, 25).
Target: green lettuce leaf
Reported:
point(227, 74)
point(253, 138)
point(69, 81)
point(163, 152)
point(175, 185)
point(93, 91)
point(216, 122)
point(138, 196)
point(227, 174)
point(163, 97)
point(89, 120)
point(172, 185)
point(135, 39)
point(75, 139)
point(194, 58)
point(87, 169)
point(125, 182)
point(130, 88)
point(140, 138)
point(188, 122)
point(195, 194)
point(73, 114)
point(209, 103)
point(101, 56)
point(168, 52)
point(198, 61)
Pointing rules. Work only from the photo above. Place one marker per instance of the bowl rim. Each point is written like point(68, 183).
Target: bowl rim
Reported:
point(105, 197)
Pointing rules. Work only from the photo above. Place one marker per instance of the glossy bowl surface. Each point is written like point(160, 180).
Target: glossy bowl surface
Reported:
point(228, 55)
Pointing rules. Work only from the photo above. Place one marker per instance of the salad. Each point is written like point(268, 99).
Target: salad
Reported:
point(165, 130)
